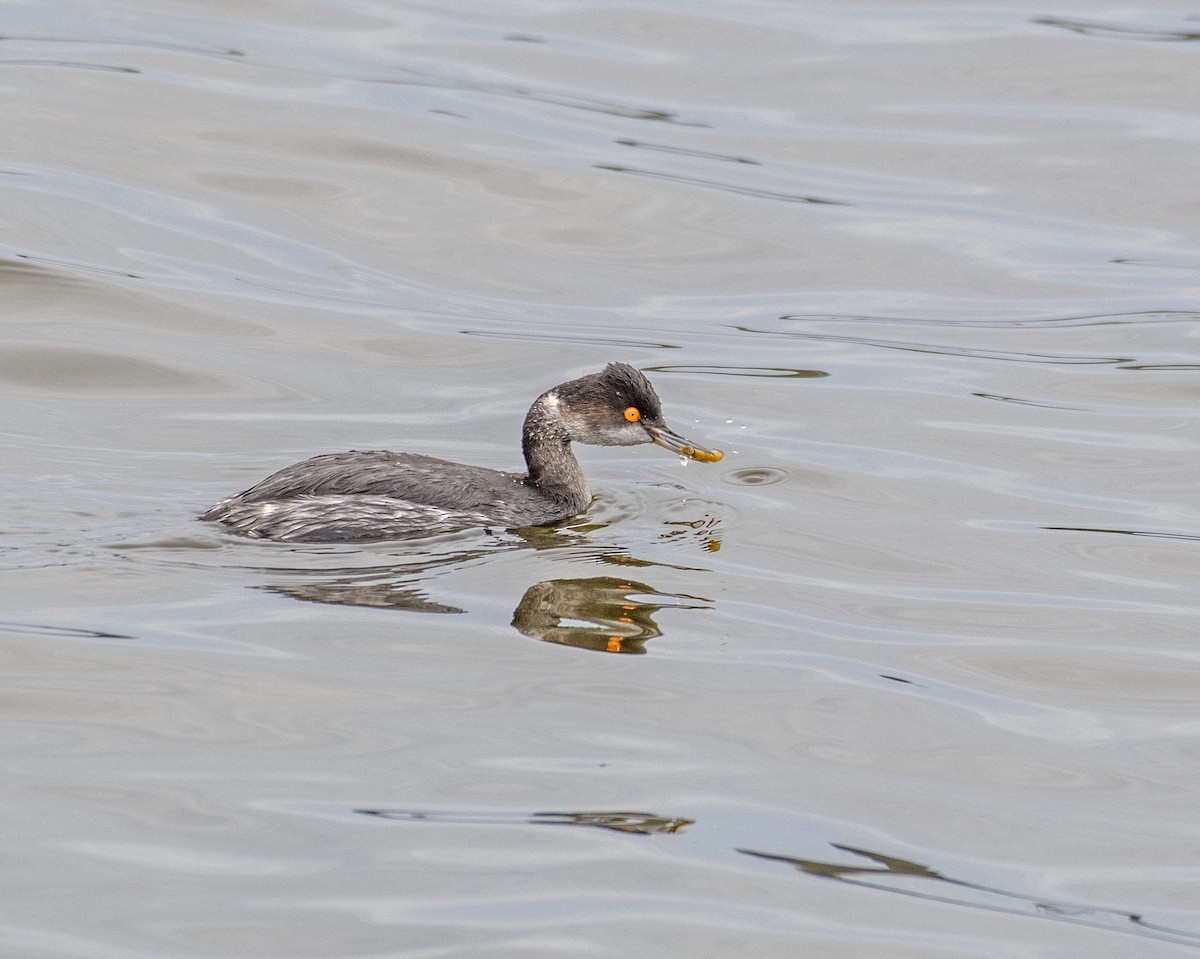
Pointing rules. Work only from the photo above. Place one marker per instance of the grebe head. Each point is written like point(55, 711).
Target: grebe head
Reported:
point(615, 407)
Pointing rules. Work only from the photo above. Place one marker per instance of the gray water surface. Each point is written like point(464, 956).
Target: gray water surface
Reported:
point(912, 672)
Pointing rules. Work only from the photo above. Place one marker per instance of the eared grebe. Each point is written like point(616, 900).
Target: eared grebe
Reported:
point(384, 495)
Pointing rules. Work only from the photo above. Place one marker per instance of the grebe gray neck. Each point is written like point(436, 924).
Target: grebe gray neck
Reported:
point(546, 443)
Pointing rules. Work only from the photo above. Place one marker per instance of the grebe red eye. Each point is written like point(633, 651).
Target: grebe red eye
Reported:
point(633, 414)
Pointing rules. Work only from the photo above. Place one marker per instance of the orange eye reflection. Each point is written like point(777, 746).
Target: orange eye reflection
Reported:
point(633, 414)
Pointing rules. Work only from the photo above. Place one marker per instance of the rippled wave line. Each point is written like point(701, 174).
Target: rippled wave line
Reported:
point(1116, 31)
point(1061, 359)
point(722, 186)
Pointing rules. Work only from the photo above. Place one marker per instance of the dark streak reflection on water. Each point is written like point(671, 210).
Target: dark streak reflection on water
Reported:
point(25, 262)
point(67, 632)
point(774, 372)
point(683, 151)
point(1160, 367)
point(1040, 322)
point(102, 67)
point(883, 872)
point(630, 823)
point(1153, 534)
point(1119, 31)
point(1063, 359)
point(893, 874)
point(1024, 402)
point(509, 91)
point(724, 187)
point(134, 43)
point(592, 339)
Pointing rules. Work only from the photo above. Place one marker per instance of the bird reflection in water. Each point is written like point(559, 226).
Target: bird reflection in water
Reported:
point(602, 613)
point(599, 613)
